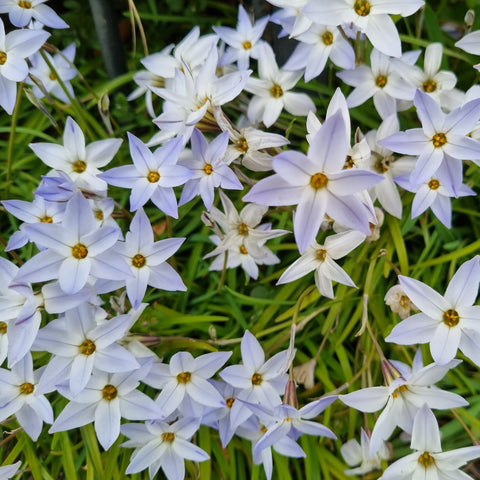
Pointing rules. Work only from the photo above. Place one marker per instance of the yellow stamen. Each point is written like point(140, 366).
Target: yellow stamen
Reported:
point(109, 392)
point(243, 250)
point(79, 251)
point(153, 177)
point(256, 379)
point(3, 58)
point(319, 180)
point(399, 390)
point(439, 139)
point(327, 38)
point(276, 91)
point(426, 459)
point(381, 81)
point(139, 260)
point(168, 437)
point(46, 219)
point(24, 4)
point(184, 377)
point(321, 254)
point(362, 7)
point(208, 169)
point(87, 347)
point(3, 328)
point(247, 45)
point(242, 145)
point(26, 388)
point(242, 229)
point(433, 184)
point(79, 166)
point(451, 318)
point(429, 85)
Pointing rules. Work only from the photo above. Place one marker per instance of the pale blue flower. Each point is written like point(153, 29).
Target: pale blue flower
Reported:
point(443, 137)
point(75, 249)
point(428, 461)
point(152, 175)
point(163, 445)
point(21, 13)
point(147, 260)
point(449, 322)
point(209, 169)
point(317, 183)
point(105, 400)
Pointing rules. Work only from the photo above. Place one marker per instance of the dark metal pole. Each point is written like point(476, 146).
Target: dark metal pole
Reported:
point(105, 19)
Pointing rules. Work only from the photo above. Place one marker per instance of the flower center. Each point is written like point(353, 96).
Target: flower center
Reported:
point(349, 163)
point(321, 254)
point(405, 302)
point(451, 318)
point(46, 219)
point(87, 347)
point(256, 379)
point(433, 184)
point(98, 214)
point(184, 377)
point(426, 459)
point(381, 81)
point(439, 139)
point(429, 85)
point(153, 177)
point(139, 260)
point(382, 165)
point(327, 38)
point(3, 328)
point(319, 180)
point(243, 250)
point(276, 91)
point(3, 58)
point(52, 76)
point(229, 402)
point(399, 391)
point(208, 169)
point(361, 7)
point(109, 392)
point(24, 4)
point(242, 229)
point(79, 166)
point(26, 388)
point(247, 45)
point(79, 251)
point(168, 437)
point(242, 145)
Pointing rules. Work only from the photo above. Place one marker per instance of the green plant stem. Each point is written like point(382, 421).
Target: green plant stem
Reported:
point(11, 140)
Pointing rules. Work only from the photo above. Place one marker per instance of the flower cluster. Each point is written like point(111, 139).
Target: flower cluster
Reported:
point(92, 262)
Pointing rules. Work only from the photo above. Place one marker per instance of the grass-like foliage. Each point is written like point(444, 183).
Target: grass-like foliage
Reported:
point(196, 277)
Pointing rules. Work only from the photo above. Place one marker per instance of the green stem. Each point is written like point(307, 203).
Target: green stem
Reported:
point(11, 140)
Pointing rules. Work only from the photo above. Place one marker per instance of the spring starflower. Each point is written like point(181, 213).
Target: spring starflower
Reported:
point(428, 461)
point(371, 17)
point(318, 184)
point(21, 13)
point(448, 322)
point(441, 135)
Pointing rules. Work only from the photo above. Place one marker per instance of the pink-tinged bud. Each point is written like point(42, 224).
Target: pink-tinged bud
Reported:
point(290, 397)
point(390, 373)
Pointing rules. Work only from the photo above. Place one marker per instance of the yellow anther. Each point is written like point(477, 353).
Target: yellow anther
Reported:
point(399, 390)
point(3, 58)
point(247, 45)
point(79, 166)
point(451, 318)
point(381, 81)
point(439, 139)
point(153, 177)
point(318, 180)
point(429, 85)
point(26, 388)
point(426, 459)
point(243, 250)
point(362, 7)
point(139, 260)
point(168, 437)
point(184, 377)
point(229, 402)
point(24, 4)
point(79, 251)
point(256, 379)
point(242, 229)
point(241, 145)
point(87, 347)
point(327, 38)
point(109, 392)
point(321, 254)
point(208, 169)
point(3, 328)
point(433, 184)
point(46, 219)
point(276, 91)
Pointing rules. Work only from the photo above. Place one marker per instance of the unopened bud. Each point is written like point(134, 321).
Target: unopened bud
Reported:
point(305, 374)
point(399, 302)
point(390, 373)
point(290, 397)
point(469, 18)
